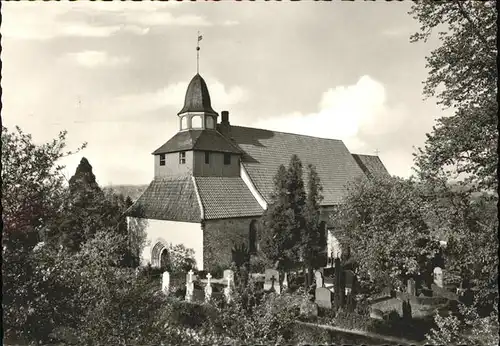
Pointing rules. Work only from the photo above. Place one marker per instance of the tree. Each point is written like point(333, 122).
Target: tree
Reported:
point(311, 240)
point(275, 243)
point(297, 201)
point(382, 222)
point(33, 196)
point(463, 75)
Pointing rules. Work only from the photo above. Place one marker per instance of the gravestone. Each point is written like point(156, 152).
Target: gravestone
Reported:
point(319, 278)
point(271, 280)
point(165, 282)
point(411, 288)
point(228, 289)
point(228, 273)
point(285, 281)
point(438, 276)
point(323, 297)
point(189, 286)
point(208, 288)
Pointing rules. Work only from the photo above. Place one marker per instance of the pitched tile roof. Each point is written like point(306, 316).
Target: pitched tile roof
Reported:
point(209, 140)
point(371, 165)
point(168, 199)
point(265, 150)
point(226, 197)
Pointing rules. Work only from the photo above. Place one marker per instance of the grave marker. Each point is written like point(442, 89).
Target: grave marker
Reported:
point(272, 280)
point(208, 288)
point(411, 289)
point(438, 276)
point(189, 286)
point(165, 282)
point(323, 297)
point(319, 278)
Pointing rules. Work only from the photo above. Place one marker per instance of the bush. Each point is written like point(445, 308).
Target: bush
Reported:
point(187, 314)
point(259, 264)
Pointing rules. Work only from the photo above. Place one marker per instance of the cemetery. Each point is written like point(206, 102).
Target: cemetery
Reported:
point(330, 302)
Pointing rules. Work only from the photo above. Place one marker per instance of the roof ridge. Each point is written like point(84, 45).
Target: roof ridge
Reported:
point(288, 133)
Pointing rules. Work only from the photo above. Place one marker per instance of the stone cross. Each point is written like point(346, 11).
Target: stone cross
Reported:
point(165, 282)
point(208, 288)
point(438, 276)
point(189, 286)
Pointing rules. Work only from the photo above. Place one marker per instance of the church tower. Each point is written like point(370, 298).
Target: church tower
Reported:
point(197, 112)
point(198, 149)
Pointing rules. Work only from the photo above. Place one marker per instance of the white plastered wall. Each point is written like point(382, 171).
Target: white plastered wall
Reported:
point(188, 234)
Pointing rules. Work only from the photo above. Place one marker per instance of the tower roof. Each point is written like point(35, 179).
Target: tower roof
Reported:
point(197, 97)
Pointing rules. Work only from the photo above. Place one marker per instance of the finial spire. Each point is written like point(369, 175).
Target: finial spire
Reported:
point(198, 53)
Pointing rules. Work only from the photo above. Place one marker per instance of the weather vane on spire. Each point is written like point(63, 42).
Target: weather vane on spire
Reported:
point(198, 53)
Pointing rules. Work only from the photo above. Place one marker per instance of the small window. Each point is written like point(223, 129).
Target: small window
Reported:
point(207, 157)
point(182, 157)
point(227, 159)
point(162, 159)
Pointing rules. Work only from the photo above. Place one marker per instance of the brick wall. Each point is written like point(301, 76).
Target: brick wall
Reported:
point(220, 236)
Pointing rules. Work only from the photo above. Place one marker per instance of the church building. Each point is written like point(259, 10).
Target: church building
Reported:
point(213, 180)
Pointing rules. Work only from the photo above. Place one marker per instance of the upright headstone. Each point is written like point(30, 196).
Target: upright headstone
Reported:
point(285, 281)
point(438, 276)
point(228, 289)
point(411, 289)
point(271, 280)
point(319, 278)
point(165, 282)
point(189, 286)
point(323, 297)
point(208, 288)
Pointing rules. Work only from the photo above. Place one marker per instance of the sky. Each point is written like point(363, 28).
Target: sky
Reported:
point(114, 75)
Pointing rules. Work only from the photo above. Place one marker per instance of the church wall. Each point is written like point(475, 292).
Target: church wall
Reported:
point(172, 166)
point(189, 234)
point(220, 236)
point(216, 167)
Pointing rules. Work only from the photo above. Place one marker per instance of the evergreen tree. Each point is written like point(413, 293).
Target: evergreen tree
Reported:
point(277, 221)
point(297, 201)
point(312, 239)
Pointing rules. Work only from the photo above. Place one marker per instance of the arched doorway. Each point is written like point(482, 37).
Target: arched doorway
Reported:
point(164, 259)
point(252, 237)
point(156, 251)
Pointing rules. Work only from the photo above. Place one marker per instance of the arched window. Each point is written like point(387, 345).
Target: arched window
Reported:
point(209, 122)
point(252, 237)
point(184, 123)
point(156, 251)
point(196, 122)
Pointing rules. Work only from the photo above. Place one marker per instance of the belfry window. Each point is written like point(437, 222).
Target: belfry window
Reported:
point(207, 157)
point(162, 159)
point(182, 157)
point(209, 122)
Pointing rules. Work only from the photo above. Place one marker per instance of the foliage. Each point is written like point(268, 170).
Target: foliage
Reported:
point(463, 75)
point(312, 241)
point(180, 259)
point(240, 255)
point(469, 222)
point(382, 222)
point(466, 328)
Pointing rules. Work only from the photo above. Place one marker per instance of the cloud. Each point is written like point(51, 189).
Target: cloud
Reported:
point(230, 23)
point(36, 21)
point(127, 106)
point(90, 58)
point(357, 114)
